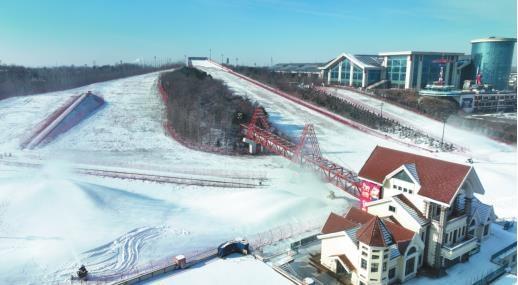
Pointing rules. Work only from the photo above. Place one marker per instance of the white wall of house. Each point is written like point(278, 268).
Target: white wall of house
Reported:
point(336, 244)
point(393, 208)
point(393, 186)
point(377, 264)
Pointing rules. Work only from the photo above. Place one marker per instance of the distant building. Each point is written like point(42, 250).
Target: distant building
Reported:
point(309, 69)
point(492, 58)
point(490, 61)
point(353, 70)
point(427, 215)
point(407, 69)
point(474, 100)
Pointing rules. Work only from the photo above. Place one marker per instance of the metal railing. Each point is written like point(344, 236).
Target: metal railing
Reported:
point(498, 253)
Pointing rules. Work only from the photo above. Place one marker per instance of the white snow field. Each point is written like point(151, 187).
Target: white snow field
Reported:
point(234, 270)
point(52, 220)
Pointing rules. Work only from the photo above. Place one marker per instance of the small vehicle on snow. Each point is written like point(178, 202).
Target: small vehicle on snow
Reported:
point(82, 274)
point(234, 246)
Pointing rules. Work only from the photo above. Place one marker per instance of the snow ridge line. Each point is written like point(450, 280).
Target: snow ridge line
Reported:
point(53, 124)
point(322, 111)
point(51, 118)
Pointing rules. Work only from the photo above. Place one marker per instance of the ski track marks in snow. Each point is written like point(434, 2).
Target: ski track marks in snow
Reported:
point(118, 256)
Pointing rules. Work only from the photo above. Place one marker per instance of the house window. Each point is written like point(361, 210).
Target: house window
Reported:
point(385, 256)
point(384, 267)
point(375, 257)
point(486, 229)
point(374, 267)
point(409, 191)
point(399, 188)
point(411, 250)
point(409, 268)
point(364, 263)
point(364, 253)
point(364, 248)
point(392, 209)
point(339, 268)
point(394, 186)
point(392, 273)
point(361, 283)
point(405, 190)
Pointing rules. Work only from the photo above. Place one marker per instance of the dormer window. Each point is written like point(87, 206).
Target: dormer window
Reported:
point(402, 175)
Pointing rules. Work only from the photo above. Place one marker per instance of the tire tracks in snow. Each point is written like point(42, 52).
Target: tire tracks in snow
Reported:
point(116, 257)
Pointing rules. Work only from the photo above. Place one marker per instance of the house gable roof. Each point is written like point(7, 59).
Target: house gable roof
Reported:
point(375, 233)
point(336, 223)
point(439, 179)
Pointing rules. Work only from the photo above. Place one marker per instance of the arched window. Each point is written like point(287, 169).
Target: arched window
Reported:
point(472, 224)
point(411, 250)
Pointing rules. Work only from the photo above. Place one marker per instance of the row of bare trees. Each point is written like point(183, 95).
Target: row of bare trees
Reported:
point(19, 80)
point(203, 110)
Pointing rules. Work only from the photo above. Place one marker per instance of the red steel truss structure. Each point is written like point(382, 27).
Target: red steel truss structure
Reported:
point(306, 153)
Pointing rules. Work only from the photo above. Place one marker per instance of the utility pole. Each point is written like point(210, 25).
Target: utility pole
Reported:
point(210, 54)
point(221, 58)
point(237, 59)
point(442, 137)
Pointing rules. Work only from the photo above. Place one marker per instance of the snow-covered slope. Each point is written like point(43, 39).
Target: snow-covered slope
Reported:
point(52, 220)
point(495, 162)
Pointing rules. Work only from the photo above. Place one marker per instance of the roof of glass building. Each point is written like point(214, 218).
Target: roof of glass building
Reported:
point(493, 39)
point(297, 67)
point(362, 61)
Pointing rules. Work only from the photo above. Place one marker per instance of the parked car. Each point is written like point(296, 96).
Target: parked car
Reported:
point(234, 246)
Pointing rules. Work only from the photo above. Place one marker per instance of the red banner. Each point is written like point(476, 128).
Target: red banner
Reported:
point(369, 192)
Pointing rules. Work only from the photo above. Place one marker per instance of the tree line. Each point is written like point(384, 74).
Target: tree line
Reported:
point(301, 87)
point(18, 80)
point(204, 111)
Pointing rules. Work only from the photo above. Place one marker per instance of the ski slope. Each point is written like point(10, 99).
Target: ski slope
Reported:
point(495, 162)
point(52, 220)
point(477, 144)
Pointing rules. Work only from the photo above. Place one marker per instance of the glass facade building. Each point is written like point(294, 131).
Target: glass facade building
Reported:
point(396, 71)
point(406, 69)
point(492, 57)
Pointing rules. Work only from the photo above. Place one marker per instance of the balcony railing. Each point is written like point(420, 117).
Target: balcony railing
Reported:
point(460, 248)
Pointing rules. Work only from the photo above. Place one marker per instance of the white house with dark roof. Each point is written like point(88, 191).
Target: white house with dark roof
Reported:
point(370, 250)
point(427, 215)
point(434, 198)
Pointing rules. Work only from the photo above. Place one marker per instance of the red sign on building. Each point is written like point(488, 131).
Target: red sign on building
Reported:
point(368, 192)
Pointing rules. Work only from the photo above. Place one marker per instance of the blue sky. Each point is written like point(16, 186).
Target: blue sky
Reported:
point(51, 32)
